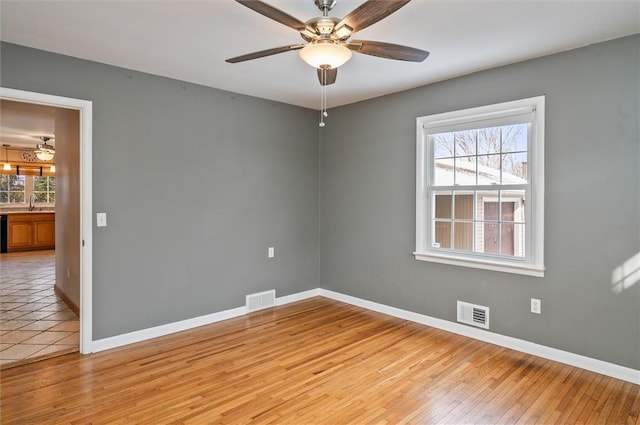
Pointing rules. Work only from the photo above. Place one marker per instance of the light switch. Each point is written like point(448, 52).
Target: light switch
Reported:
point(101, 219)
point(271, 252)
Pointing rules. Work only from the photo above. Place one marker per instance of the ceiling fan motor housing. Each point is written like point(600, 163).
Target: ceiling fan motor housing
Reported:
point(322, 27)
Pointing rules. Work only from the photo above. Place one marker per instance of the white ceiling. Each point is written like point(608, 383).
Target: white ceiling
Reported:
point(189, 40)
point(22, 124)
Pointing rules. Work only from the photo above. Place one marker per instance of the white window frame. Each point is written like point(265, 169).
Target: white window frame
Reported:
point(485, 116)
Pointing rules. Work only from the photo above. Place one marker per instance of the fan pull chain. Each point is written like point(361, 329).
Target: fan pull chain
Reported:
point(323, 99)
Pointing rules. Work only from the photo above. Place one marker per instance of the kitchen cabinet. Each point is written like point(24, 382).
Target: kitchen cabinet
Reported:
point(30, 231)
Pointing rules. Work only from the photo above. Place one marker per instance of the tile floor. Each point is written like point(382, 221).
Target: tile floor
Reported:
point(34, 322)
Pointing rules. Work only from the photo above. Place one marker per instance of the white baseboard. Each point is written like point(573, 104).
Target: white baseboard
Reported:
point(572, 359)
point(183, 325)
point(298, 297)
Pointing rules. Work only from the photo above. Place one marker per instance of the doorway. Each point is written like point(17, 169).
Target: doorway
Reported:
point(78, 243)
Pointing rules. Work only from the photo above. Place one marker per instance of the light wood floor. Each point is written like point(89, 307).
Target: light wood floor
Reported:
point(313, 362)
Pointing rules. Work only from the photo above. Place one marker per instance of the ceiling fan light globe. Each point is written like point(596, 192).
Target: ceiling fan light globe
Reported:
point(45, 151)
point(44, 156)
point(329, 55)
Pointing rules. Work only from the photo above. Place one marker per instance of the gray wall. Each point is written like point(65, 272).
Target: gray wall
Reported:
point(239, 174)
point(196, 183)
point(592, 221)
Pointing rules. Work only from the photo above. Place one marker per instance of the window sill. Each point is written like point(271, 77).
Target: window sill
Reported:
point(498, 266)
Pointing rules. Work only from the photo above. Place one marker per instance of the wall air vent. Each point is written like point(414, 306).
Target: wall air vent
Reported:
point(261, 300)
point(474, 315)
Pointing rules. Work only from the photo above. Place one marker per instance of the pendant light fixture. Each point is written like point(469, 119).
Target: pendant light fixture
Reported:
point(7, 165)
point(45, 151)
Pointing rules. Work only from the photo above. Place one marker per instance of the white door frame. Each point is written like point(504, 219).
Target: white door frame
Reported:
point(85, 108)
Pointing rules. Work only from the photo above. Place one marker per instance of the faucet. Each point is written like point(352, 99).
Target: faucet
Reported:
point(32, 202)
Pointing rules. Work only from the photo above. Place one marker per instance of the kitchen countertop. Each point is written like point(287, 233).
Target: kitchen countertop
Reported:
point(25, 212)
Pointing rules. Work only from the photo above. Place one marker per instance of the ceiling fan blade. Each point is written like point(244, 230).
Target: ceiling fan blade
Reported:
point(273, 13)
point(263, 53)
point(370, 12)
point(327, 76)
point(388, 50)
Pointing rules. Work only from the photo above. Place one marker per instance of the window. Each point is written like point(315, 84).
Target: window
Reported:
point(45, 189)
point(480, 187)
point(12, 189)
point(16, 190)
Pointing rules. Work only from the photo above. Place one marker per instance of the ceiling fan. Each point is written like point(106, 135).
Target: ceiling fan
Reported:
point(45, 151)
point(328, 43)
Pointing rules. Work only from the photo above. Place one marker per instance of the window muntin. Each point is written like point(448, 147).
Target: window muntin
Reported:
point(480, 187)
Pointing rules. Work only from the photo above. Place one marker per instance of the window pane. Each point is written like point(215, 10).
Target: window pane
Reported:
point(518, 240)
point(513, 206)
point(443, 173)
point(514, 168)
point(442, 234)
point(464, 206)
point(443, 145)
point(490, 238)
point(488, 204)
point(16, 197)
point(443, 205)
point(514, 138)
point(465, 142)
point(4, 197)
point(507, 239)
point(465, 171)
point(489, 140)
point(41, 198)
point(489, 169)
point(463, 236)
point(507, 211)
point(16, 183)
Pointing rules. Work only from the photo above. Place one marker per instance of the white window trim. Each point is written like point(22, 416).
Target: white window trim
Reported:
point(533, 263)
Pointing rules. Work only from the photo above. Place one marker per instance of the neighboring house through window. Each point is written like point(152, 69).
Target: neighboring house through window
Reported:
point(480, 187)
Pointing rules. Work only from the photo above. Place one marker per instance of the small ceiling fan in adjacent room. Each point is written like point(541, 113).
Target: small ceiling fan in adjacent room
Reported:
point(44, 151)
point(328, 39)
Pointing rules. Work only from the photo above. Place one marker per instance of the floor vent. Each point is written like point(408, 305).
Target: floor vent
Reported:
point(261, 300)
point(474, 315)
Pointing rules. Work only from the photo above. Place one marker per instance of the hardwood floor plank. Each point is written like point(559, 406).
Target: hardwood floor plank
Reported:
point(317, 361)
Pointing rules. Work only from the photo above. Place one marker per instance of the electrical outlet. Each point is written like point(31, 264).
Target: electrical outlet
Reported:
point(271, 252)
point(536, 306)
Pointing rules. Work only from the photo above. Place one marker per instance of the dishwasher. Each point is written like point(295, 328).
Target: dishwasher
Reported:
point(3, 233)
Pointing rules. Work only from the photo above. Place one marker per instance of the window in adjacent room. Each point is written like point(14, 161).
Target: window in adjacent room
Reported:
point(16, 190)
point(44, 188)
point(12, 189)
point(480, 187)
